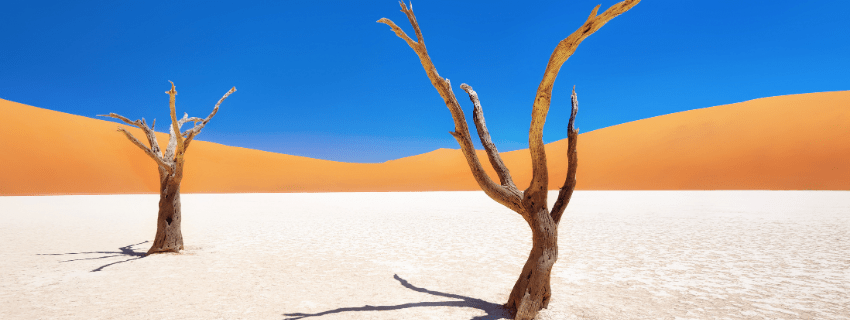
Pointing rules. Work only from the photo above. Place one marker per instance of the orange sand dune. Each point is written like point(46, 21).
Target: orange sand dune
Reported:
point(793, 142)
point(787, 142)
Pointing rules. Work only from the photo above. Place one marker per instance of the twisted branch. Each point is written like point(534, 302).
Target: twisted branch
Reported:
point(185, 119)
point(484, 135)
point(566, 192)
point(505, 196)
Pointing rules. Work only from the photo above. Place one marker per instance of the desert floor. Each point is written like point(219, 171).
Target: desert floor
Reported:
point(430, 255)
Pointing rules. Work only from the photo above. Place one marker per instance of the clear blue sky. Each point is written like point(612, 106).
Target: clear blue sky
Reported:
point(322, 79)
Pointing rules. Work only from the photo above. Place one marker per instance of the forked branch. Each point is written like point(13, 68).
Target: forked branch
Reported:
point(148, 151)
point(203, 122)
point(196, 129)
point(562, 52)
point(536, 194)
point(172, 159)
point(566, 192)
point(152, 151)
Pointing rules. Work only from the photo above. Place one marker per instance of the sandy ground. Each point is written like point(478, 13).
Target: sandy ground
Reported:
point(437, 255)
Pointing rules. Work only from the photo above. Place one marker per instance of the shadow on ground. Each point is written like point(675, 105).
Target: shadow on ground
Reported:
point(125, 251)
point(493, 311)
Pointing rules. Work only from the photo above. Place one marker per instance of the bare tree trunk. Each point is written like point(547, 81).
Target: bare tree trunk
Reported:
point(169, 237)
point(532, 291)
point(170, 161)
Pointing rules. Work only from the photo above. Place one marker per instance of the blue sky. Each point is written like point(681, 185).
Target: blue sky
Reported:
point(322, 79)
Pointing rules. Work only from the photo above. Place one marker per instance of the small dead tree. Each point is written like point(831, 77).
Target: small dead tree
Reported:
point(169, 237)
point(532, 292)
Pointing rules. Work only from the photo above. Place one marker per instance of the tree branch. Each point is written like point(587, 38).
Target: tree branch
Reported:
point(540, 177)
point(185, 119)
point(484, 135)
point(412, 18)
point(566, 192)
point(508, 198)
point(197, 128)
point(150, 134)
point(172, 145)
point(191, 133)
point(148, 151)
point(175, 129)
point(136, 123)
point(400, 33)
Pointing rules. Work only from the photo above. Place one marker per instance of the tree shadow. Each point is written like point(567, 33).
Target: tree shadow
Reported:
point(124, 251)
point(493, 311)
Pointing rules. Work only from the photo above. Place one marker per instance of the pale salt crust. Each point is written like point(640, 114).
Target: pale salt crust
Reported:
point(431, 255)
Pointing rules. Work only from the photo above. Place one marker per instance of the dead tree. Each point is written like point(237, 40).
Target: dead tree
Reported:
point(531, 293)
point(169, 237)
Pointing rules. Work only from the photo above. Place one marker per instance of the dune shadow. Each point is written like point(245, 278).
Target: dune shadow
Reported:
point(125, 251)
point(493, 311)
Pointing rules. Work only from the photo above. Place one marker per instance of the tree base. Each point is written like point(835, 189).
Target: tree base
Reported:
point(169, 237)
point(164, 250)
point(532, 291)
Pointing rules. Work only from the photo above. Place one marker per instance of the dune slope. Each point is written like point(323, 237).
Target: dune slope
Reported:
point(778, 143)
point(792, 142)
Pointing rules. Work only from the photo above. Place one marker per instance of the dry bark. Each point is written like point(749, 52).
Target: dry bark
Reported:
point(169, 237)
point(532, 292)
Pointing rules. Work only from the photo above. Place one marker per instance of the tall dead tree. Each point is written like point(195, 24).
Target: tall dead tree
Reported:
point(532, 292)
point(169, 237)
